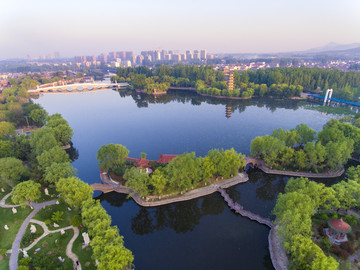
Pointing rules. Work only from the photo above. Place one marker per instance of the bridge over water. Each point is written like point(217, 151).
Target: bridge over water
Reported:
point(78, 87)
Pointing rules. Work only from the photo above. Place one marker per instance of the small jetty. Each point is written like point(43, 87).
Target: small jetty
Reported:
point(240, 210)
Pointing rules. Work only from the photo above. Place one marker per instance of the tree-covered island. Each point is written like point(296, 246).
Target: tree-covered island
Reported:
point(184, 172)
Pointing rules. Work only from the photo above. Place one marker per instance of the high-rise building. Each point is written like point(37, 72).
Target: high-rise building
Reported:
point(112, 56)
point(203, 54)
point(189, 55)
point(102, 58)
point(57, 55)
point(183, 56)
point(176, 57)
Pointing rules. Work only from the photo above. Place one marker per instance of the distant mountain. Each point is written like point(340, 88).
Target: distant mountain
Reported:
point(332, 46)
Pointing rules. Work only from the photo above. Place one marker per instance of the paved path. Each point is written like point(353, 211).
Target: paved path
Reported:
point(4, 205)
point(46, 232)
point(69, 253)
point(13, 264)
point(69, 246)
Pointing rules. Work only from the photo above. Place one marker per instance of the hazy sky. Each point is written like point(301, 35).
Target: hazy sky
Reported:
point(83, 27)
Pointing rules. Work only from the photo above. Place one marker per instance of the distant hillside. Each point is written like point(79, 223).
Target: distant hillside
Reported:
point(332, 47)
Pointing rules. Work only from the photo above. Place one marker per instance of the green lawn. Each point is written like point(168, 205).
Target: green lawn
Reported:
point(7, 190)
point(4, 263)
point(85, 254)
point(43, 197)
point(47, 256)
point(46, 214)
point(14, 222)
point(29, 237)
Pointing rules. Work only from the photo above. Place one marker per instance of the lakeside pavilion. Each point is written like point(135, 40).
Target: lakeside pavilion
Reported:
point(337, 231)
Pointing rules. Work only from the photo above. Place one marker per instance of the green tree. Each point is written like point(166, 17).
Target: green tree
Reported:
point(6, 149)
point(57, 216)
point(57, 171)
point(137, 181)
point(26, 192)
point(159, 181)
point(6, 129)
point(111, 157)
point(11, 171)
point(42, 140)
point(74, 191)
point(38, 116)
point(54, 155)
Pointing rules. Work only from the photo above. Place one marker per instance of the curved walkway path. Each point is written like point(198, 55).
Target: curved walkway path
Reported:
point(109, 185)
point(4, 205)
point(262, 166)
point(13, 264)
point(277, 254)
point(69, 253)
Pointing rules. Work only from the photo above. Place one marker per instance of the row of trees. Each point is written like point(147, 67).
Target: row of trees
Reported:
point(345, 84)
point(182, 173)
point(303, 149)
point(301, 201)
point(107, 244)
point(185, 172)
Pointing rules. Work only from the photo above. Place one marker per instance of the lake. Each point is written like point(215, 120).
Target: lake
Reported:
point(198, 234)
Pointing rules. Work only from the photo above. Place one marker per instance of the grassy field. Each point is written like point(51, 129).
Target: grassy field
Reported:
point(4, 263)
point(7, 190)
point(46, 214)
point(51, 247)
point(85, 254)
point(29, 237)
point(14, 222)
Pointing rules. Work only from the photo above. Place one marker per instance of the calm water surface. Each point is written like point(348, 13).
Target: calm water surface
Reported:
point(201, 233)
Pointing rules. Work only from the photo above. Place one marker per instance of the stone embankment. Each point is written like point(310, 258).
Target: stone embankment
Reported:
point(108, 185)
point(260, 164)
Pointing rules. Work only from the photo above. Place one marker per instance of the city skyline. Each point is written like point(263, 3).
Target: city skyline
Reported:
point(91, 28)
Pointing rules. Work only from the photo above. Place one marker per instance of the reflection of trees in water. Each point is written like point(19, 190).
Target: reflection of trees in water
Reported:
point(143, 222)
point(269, 186)
point(184, 96)
point(113, 198)
point(212, 205)
point(72, 152)
point(181, 217)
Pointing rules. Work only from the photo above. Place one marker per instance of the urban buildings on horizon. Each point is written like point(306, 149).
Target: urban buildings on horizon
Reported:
point(128, 58)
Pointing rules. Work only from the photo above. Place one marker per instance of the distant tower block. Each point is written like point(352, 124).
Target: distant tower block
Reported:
point(231, 81)
point(328, 96)
point(228, 111)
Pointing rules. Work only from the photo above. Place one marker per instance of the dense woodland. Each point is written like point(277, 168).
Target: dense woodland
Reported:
point(304, 202)
point(181, 174)
point(273, 82)
point(303, 149)
point(31, 162)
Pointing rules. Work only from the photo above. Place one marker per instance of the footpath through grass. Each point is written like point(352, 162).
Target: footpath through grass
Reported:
point(46, 215)
point(49, 249)
point(13, 221)
point(85, 254)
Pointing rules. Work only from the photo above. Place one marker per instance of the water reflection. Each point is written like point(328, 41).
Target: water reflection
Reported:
point(181, 96)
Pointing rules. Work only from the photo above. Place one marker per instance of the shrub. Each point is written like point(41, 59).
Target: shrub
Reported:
point(321, 231)
point(344, 254)
point(325, 244)
point(76, 221)
point(335, 249)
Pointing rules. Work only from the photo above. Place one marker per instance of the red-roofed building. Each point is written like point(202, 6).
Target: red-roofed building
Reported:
point(337, 231)
point(166, 158)
point(141, 164)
